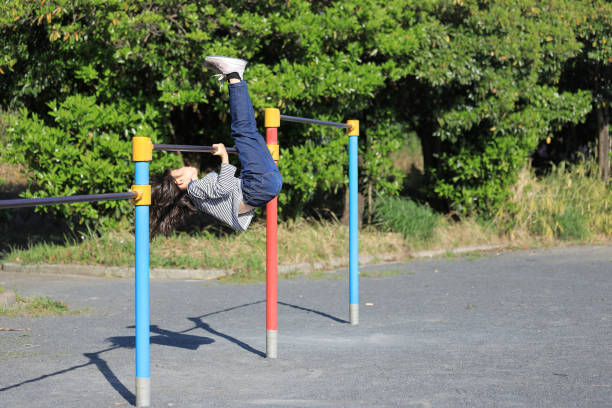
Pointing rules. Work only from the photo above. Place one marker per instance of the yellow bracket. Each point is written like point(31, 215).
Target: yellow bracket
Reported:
point(353, 129)
point(274, 151)
point(272, 118)
point(142, 149)
point(144, 194)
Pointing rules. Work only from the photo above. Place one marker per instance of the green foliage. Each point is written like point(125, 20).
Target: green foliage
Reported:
point(87, 151)
point(312, 167)
point(386, 137)
point(477, 81)
point(412, 220)
point(492, 71)
point(309, 59)
point(592, 68)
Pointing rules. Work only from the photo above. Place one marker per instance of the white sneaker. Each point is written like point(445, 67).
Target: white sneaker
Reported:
point(225, 65)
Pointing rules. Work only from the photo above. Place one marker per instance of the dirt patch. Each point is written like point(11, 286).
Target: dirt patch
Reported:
point(12, 180)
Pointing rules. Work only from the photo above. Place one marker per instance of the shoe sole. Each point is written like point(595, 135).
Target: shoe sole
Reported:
point(212, 66)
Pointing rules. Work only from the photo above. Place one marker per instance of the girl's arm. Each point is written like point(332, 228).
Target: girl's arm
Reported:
point(215, 185)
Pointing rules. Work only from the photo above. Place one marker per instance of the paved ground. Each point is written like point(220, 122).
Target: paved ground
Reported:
point(512, 329)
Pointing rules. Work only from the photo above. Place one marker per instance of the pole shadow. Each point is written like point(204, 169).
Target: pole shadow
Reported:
point(199, 324)
point(305, 309)
point(101, 365)
point(164, 338)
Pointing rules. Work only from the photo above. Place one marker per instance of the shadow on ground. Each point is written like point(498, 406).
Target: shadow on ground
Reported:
point(169, 338)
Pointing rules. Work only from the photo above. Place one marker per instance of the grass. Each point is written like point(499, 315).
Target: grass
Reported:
point(407, 217)
point(570, 204)
point(320, 274)
point(298, 242)
point(37, 307)
point(384, 273)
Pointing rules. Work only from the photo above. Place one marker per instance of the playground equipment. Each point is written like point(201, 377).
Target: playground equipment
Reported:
point(142, 154)
point(34, 202)
point(190, 148)
point(272, 123)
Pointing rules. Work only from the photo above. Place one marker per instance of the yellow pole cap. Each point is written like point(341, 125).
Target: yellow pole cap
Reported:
point(272, 119)
point(142, 149)
point(353, 129)
point(274, 151)
point(144, 194)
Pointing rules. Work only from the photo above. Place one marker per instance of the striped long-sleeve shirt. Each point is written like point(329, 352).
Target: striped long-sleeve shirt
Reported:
point(220, 195)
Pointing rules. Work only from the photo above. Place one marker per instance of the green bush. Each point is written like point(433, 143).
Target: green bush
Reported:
point(86, 151)
point(491, 74)
point(478, 81)
point(402, 215)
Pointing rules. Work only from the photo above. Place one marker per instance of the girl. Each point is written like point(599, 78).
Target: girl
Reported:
point(178, 193)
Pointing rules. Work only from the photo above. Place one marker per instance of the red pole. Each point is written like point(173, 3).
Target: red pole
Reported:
point(272, 121)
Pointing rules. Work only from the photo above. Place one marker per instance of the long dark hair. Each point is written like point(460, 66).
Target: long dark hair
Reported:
point(170, 206)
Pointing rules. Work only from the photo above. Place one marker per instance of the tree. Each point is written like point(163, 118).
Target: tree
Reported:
point(591, 69)
point(477, 80)
point(311, 59)
point(486, 79)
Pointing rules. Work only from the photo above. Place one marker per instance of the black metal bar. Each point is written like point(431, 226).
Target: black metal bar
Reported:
point(190, 148)
point(313, 121)
point(33, 202)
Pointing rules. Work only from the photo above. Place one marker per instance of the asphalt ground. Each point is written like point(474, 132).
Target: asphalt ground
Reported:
point(501, 329)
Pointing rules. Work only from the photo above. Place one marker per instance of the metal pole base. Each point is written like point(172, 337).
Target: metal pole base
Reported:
point(143, 392)
point(354, 314)
point(271, 349)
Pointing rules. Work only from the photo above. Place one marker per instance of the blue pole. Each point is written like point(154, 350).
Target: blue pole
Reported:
point(143, 373)
point(353, 232)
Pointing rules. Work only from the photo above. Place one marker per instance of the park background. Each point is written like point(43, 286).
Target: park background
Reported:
point(482, 122)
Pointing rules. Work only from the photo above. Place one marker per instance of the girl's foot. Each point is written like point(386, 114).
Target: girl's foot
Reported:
point(225, 66)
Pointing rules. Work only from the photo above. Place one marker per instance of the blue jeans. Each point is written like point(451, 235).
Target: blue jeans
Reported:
point(261, 180)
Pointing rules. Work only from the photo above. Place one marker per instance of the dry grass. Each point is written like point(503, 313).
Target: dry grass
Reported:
point(299, 242)
point(464, 233)
point(570, 204)
point(315, 241)
point(12, 178)
point(409, 156)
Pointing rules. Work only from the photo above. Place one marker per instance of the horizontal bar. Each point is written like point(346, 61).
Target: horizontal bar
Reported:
point(33, 202)
point(190, 148)
point(313, 121)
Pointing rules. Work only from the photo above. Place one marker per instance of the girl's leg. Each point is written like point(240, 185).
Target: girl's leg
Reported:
point(261, 179)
